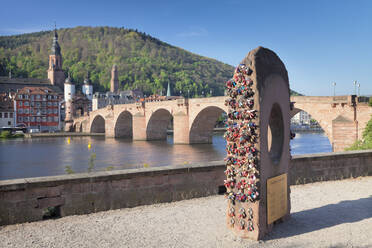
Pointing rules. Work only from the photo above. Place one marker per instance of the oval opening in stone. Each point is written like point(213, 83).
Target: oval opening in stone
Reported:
point(275, 133)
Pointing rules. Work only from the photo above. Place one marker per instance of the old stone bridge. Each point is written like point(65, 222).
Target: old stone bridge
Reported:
point(343, 118)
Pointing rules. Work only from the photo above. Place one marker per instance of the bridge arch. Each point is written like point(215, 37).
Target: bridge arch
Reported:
point(78, 127)
point(324, 124)
point(201, 130)
point(123, 125)
point(98, 125)
point(156, 128)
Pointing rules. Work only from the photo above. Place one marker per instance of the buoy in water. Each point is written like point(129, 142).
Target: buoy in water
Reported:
point(89, 145)
point(68, 141)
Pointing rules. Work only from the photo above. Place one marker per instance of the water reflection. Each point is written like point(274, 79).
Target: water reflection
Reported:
point(21, 158)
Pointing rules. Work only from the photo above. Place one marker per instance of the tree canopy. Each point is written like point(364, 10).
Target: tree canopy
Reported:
point(143, 61)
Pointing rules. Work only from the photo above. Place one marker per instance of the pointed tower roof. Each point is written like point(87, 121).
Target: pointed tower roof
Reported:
point(169, 90)
point(56, 49)
point(68, 79)
point(87, 79)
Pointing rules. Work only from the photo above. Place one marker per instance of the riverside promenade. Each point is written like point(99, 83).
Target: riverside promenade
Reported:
point(324, 214)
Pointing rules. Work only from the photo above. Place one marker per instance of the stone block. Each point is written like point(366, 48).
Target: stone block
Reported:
point(50, 202)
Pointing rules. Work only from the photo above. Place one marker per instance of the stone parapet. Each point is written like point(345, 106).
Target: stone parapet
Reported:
point(30, 199)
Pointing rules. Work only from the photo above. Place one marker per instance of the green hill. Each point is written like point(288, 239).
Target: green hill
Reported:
point(144, 62)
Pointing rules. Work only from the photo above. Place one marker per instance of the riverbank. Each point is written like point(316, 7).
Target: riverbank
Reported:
point(334, 219)
point(61, 134)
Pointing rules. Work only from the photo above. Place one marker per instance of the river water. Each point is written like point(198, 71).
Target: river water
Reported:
point(37, 157)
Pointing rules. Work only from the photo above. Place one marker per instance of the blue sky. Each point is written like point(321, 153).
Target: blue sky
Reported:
point(320, 41)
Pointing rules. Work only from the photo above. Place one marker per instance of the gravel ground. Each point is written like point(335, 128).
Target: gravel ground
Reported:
point(328, 214)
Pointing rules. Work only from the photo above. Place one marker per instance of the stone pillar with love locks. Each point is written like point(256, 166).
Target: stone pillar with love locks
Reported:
point(257, 136)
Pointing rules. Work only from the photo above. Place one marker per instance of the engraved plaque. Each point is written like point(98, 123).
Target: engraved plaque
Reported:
point(276, 198)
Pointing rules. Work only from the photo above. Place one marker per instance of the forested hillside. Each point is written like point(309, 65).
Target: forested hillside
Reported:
point(143, 62)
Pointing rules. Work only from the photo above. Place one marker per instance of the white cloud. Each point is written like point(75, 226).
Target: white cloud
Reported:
point(12, 31)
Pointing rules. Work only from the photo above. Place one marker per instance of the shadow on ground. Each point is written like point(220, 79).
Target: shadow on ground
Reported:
point(323, 217)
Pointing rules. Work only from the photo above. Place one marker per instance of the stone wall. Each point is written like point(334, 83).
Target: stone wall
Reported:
point(33, 199)
point(330, 166)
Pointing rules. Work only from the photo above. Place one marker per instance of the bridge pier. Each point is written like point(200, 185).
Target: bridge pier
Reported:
point(139, 127)
point(181, 128)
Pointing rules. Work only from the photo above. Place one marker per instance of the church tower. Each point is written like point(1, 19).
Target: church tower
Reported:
point(56, 75)
point(114, 80)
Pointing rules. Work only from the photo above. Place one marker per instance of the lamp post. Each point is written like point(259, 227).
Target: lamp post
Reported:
point(210, 92)
point(188, 93)
point(355, 89)
point(203, 93)
point(334, 88)
point(358, 89)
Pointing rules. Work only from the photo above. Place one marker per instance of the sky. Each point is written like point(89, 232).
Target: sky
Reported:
point(319, 41)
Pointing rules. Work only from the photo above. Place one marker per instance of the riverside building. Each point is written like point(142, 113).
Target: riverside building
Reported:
point(37, 108)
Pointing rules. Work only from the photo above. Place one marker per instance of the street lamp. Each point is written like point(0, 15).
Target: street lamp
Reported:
point(355, 85)
point(358, 89)
point(203, 93)
point(334, 88)
point(210, 91)
point(188, 93)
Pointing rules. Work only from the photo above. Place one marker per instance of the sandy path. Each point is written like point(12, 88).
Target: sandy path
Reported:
point(329, 214)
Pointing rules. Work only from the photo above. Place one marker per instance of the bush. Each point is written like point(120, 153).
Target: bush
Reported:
point(5, 135)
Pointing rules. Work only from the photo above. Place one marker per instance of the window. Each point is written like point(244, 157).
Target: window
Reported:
point(55, 104)
point(10, 115)
point(55, 97)
point(25, 118)
point(50, 104)
point(43, 104)
point(32, 111)
point(32, 104)
point(38, 104)
point(55, 111)
point(55, 118)
point(43, 119)
point(20, 119)
point(26, 96)
point(50, 119)
point(5, 115)
point(1, 115)
point(9, 123)
point(37, 96)
point(50, 111)
point(32, 119)
point(43, 112)
point(49, 97)
point(38, 119)
point(26, 111)
point(20, 111)
point(19, 96)
point(44, 97)
point(20, 104)
point(32, 97)
point(26, 104)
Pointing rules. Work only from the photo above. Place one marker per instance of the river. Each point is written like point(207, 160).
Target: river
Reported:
point(55, 156)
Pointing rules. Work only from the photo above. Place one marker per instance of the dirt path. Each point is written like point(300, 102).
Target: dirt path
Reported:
point(330, 214)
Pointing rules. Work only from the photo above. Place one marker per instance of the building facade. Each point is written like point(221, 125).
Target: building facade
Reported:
point(6, 110)
point(37, 108)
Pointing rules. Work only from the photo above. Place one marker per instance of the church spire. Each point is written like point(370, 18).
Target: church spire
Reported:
point(56, 49)
point(169, 90)
point(56, 75)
